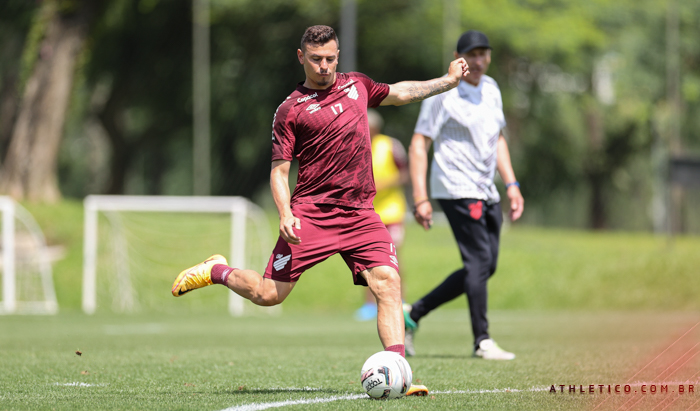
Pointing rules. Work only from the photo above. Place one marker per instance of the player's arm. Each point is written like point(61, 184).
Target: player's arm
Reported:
point(279, 183)
point(505, 169)
point(414, 91)
point(418, 168)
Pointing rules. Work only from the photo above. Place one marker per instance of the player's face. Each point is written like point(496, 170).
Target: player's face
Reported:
point(320, 63)
point(479, 60)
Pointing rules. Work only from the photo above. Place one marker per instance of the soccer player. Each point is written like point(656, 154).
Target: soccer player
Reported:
point(466, 124)
point(323, 124)
point(390, 170)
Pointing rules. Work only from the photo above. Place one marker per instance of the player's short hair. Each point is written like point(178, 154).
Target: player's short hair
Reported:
point(318, 35)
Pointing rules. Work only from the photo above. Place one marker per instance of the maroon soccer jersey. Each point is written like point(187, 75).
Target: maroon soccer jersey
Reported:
point(327, 131)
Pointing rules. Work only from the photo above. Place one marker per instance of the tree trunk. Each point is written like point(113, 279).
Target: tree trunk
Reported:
point(111, 118)
point(30, 168)
point(9, 97)
point(598, 216)
point(596, 168)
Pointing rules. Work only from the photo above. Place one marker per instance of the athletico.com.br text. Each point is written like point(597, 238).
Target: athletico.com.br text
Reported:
point(622, 389)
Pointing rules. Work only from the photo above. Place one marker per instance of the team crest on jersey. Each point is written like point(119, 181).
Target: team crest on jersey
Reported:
point(352, 92)
point(281, 261)
point(313, 108)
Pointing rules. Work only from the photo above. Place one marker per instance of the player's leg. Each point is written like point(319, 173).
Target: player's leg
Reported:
point(467, 218)
point(385, 284)
point(487, 348)
point(476, 227)
point(246, 283)
point(284, 268)
point(368, 311)
point(494, 221)
point(486, 238)
point(369, 252)
point(468, 225)
point(451, 288)
point(258, 289)
point(457, 212)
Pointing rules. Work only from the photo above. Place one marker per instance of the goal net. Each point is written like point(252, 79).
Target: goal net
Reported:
point(27, 279)
point(135, 246)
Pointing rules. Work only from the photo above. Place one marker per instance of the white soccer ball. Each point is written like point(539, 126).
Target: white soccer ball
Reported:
point(386, 375)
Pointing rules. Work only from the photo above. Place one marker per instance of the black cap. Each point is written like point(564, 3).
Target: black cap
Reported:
point(471, 40)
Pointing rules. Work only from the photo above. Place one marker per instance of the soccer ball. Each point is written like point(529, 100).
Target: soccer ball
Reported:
point(386, 375)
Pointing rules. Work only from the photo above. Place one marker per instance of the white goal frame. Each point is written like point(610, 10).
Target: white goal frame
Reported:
point(239, 208)
point(11, 211)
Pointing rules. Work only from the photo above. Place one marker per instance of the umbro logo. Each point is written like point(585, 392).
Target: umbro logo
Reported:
point(352, 92)
point(281, 261)
point(313, 108)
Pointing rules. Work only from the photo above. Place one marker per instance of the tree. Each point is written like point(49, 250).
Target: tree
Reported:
point(30, 167)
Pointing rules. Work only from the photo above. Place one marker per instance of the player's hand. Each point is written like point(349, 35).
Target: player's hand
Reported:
point(517, 203)
point(287, 226)
point(458, 69)
point(424, 215)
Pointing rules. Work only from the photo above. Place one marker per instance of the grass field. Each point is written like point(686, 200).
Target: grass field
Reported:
point(215, 362)
point(578, 308)
point(544, 269)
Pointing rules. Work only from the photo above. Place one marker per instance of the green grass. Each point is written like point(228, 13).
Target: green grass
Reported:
point(213, 362)
point(578, 308)
point(538, 268)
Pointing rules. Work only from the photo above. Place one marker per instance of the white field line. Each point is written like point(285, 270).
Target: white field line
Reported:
point(78, 384)
point(267, 405)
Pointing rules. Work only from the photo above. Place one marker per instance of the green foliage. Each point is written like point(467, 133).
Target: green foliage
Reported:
point(551, 31)
point(216, 362)
point(36, 31)
point(135, 81)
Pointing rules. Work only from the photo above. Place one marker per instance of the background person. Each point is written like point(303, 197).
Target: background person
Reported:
point(390, 170)
point(466, 124)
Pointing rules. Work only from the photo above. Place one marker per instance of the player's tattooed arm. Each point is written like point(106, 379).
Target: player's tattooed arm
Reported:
point(420, 90)
point(414, 91)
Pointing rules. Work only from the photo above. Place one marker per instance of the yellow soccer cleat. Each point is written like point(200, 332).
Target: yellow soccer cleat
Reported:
point(417, 390)
point(196, 277)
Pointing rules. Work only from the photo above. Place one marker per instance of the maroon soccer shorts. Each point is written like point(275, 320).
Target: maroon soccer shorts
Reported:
point(358, 235)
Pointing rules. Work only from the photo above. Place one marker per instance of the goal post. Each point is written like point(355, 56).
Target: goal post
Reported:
point(27, 277)
point(240, 209)
point(8, 254)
